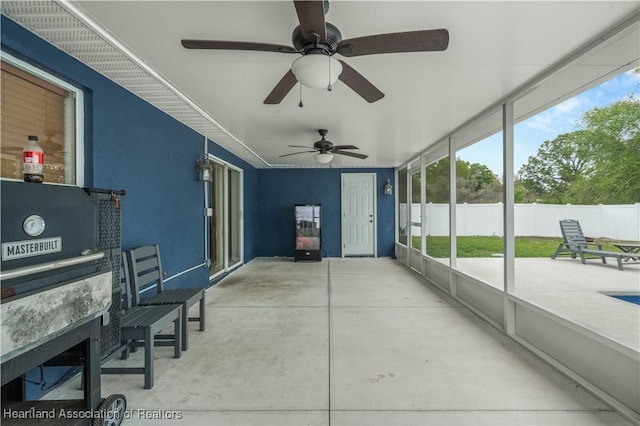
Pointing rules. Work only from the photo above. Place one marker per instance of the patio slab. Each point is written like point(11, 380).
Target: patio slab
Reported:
point(569, 289)
point(280, 360)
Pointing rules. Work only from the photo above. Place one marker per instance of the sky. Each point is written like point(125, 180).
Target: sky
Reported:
point(560, 119)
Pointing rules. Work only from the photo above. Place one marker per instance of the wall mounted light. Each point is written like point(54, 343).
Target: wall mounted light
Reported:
point(205, 166)
point(388, 189)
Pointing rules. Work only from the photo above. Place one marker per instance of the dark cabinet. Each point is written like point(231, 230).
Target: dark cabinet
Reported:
point(308, 235)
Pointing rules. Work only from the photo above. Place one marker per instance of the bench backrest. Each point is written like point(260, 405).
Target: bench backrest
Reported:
point(146, 270)
point(572, 233)
point(125, 283)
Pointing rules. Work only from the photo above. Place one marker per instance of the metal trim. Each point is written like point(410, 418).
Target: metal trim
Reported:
point(49, 266)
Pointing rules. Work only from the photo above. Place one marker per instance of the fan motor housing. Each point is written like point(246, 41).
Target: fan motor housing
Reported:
point(323, 145)
point(334, 37)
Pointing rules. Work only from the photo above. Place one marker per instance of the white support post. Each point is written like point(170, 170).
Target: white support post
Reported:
point(638, 220)
point(453, 252)
point(509, 223)
point(423, 215)
point(396, 208)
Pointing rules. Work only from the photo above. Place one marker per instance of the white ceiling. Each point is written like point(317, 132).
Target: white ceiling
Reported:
point(494, 48)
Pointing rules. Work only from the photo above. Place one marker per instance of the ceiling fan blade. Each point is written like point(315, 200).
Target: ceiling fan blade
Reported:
point(410, 41)
point(311, 17)
point(338, 147)
point(300, 146)
point(359, 84)
point(295, 153)
point(351, 154)
point(283, 87)
point(237, 45)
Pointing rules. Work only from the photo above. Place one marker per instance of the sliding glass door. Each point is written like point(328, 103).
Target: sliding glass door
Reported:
point(234, 208)
point(225, 218)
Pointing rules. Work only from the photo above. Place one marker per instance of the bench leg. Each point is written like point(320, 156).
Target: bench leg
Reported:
point(202, 309)
point(185, 327)
point(177, 336)
point(148, 358)
point(125, 351)
point(620, 263)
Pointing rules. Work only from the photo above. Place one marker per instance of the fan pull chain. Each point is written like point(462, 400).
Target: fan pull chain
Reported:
point(300, 104)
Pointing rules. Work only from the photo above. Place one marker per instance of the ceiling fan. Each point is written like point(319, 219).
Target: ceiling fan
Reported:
point(318, 40)
point(325, 149)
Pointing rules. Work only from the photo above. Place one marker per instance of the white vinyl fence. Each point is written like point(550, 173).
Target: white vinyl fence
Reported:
point(620, 222)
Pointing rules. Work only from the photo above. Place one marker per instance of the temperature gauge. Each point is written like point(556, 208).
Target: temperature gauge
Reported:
point(33, 225)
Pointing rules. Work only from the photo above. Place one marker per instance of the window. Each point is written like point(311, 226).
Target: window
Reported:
point(216, 221)
point(415, 212)
point(235, 215)
point(35, 103)
point(579, 160)
point(437, 210)
point(479, 201)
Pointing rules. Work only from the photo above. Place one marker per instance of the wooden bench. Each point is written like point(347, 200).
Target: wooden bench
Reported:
point(146, 271)
point(140, 326)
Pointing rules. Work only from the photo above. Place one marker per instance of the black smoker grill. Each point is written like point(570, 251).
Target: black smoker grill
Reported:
point(61, 303)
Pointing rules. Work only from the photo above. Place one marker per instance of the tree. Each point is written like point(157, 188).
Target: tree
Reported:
point(616, 174)
point(619, 121)
point(437, 178)
point(598, 164)
point(519, 192)
point(475, 183)
point(558, 163)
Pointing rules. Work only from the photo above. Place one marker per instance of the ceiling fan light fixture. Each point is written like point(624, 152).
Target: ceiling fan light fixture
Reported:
point(316, 70)
point(323, 158)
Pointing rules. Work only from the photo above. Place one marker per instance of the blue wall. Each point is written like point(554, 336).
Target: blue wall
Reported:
point(280, 189)
point(131, 145)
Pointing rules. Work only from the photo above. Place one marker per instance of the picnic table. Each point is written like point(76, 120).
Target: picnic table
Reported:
point(629, 248)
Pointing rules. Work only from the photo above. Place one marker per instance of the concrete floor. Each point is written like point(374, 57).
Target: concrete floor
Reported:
point(348, 342)
point(573, 291)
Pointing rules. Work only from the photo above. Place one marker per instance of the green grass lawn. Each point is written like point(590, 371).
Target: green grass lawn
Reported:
point(493, 246)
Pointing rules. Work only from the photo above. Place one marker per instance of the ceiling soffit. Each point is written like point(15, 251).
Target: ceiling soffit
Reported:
point(69, 29)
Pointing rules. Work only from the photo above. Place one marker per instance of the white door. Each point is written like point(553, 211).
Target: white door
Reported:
point(358, 214)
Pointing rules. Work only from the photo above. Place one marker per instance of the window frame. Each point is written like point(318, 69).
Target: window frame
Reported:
point(78, 95)
point(226, 265)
